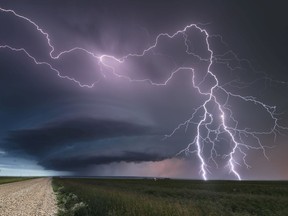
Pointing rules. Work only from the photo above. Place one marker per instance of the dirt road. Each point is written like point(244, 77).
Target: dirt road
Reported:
point(28, 198)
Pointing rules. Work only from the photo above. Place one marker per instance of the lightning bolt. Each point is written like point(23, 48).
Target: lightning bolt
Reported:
point(203, 118)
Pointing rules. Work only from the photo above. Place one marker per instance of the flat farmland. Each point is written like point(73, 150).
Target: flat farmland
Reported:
point(4, 180)
point(137, 197)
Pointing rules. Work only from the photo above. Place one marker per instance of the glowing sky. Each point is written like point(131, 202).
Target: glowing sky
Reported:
point(51, 125)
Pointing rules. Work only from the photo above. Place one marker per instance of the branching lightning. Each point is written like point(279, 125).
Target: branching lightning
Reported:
point(203, 117)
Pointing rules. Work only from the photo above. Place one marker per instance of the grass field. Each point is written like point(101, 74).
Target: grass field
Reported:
point(4, 180)
point(166, 197)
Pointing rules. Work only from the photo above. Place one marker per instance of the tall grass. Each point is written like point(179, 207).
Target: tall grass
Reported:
point(175, 197)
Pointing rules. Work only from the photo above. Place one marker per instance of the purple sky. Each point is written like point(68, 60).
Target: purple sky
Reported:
point(93, 112)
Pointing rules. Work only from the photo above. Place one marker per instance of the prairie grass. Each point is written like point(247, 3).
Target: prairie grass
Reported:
point(137, 197)
point(4, 180)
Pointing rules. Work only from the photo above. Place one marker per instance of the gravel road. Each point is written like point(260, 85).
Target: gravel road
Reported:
point(28, 198)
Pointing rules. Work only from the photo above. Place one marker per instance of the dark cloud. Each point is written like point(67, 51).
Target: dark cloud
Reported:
point(42, 140)
point(82, 162)
point(122, 119)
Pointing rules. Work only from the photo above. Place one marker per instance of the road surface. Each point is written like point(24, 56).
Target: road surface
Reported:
point(28, 198)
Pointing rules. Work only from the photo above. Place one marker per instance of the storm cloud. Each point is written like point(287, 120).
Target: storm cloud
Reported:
point(83, 162)
point(119, 125)
point(40, 141)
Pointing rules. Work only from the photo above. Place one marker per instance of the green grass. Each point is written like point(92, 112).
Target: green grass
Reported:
point(4, 180)
point(170, 197)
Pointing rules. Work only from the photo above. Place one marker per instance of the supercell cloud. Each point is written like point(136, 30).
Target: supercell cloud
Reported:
point(118, 127)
